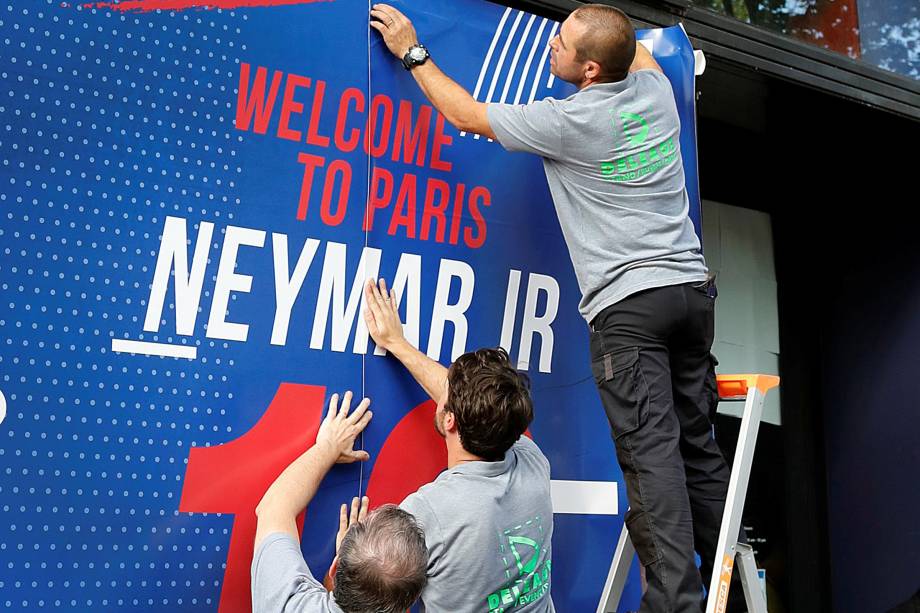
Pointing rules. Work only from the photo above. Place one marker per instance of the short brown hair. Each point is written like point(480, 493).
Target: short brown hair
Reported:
point(490, 400)
point(383, 563)
point(609, 39)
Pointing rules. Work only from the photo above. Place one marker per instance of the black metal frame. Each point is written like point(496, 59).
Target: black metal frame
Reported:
point(763, 51)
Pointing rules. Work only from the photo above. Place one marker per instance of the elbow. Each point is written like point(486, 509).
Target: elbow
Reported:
point(473, 118)
point(463, 123)
point(475, 125)
point(264, 506)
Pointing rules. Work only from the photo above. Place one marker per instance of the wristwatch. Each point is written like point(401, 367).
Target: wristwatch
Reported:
point(415, 56)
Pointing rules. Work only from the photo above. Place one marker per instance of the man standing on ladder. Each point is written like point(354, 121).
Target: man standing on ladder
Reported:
point(612, 158)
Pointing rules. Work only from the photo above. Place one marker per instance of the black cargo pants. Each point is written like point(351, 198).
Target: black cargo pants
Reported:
point(651, 360)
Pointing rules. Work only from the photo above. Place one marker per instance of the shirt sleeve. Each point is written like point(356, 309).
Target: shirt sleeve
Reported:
point(421, 510)
point(524, 445)
point(532, 128)
point(282, 581)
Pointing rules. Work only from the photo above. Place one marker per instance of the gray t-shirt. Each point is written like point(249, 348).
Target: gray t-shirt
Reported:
point(612, 158)
point(489, 529)
point(282, 581)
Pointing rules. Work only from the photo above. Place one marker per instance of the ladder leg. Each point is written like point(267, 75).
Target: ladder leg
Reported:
point(619, 571)
point(734, 503)
point(756, 603)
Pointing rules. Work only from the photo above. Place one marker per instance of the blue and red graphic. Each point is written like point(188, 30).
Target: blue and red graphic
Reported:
point(191, 201)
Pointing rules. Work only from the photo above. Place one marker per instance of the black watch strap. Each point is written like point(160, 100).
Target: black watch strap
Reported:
point(416, 56)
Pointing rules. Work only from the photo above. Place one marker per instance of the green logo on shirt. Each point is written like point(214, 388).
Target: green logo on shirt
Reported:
point(526, 581)
point(635, 123)
point(643, 162)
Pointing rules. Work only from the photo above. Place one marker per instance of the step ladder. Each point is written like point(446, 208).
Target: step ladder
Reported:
point(752, 389)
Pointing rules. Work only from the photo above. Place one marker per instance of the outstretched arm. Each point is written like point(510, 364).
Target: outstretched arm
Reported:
point(385, 327)
point(459, 108)
point(295, 487)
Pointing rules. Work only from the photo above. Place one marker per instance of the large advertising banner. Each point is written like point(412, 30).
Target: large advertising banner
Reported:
point(192, 198)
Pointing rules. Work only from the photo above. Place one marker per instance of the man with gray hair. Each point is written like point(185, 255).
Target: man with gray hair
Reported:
point(381, 558)
point(611, 153)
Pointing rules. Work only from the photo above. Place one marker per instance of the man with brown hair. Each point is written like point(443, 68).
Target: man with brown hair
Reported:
point(611, 153)
point(488, 518)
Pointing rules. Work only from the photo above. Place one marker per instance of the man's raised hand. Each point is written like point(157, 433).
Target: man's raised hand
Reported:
point(340, 429)
point(382, 315)
point(395, 28)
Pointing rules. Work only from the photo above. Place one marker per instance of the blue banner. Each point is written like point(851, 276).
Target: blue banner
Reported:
point(191, 202)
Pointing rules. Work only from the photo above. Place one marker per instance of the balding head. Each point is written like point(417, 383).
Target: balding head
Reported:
point(607, 37)
point(382, 563)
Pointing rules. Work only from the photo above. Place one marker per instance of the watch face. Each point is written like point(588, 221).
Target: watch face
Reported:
point(417, 54)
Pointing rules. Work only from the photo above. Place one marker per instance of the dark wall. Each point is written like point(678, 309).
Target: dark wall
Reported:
point(840, 181)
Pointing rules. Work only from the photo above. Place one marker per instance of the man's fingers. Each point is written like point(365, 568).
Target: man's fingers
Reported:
point(355, 509)
point(379, 26)
point(394, 13)
point(359, 411)
point(389, 297)
point(346, 404)
point(343, 517)
point(381, 18)
point(386, 9)
point(372, 296)
point(362, 423)
point(333, 407)
point(359, 455)
point(369, 318)
point(365, 503)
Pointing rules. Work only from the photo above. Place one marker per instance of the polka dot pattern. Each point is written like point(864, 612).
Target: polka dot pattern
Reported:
point(108, 123)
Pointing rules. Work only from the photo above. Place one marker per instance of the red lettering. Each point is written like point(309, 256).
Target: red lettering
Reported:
point(440, 139)
point(341, 142)
point(335, 167)
point(217, 481)
point(313, 135)
point(404, 212)
point(457, 212)
point(383, 129)
point(311, 163)
point(407, 139)
point(288, 106)
point(376, 200)
point(475, 242)
point(255, 103)
point(435, 211)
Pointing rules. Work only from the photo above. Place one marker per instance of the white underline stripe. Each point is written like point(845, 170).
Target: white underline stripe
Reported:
point(585, 497)
point(160, 349)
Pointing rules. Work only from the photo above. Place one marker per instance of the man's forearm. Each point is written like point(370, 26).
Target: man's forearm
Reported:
point(431, 375)
point(459, 108)
point(293, 490)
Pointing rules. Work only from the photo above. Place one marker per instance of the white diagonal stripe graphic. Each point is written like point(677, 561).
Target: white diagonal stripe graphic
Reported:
point(501, 60)
point(485, 62)
point(533, 50)
point(502, 56)
point(514, 60)
point(536, 82)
